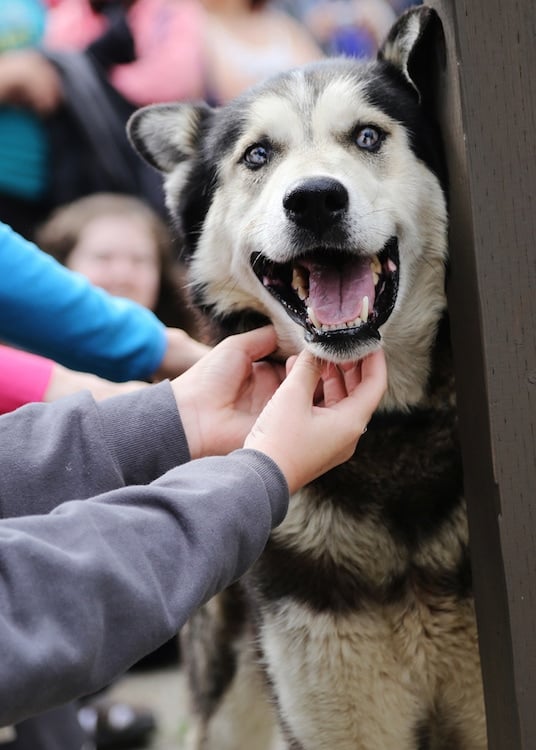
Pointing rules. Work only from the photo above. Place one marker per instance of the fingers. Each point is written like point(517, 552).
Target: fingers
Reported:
point(303, 378)
point(255, 344)
point(367, 395)
point(334, 384)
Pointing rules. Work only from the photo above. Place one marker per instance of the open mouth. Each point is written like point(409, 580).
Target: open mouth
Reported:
point(334, 295)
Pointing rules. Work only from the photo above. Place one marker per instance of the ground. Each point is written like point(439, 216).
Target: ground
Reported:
point(164, 691)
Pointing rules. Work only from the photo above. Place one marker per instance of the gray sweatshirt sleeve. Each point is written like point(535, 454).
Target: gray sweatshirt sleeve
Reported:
point(91, 587)
point(76, 447)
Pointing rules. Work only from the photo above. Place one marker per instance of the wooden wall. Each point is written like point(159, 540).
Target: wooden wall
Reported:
point(487, 109)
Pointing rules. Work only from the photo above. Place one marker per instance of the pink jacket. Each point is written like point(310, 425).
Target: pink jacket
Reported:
point(168, 39)
point(24, 378)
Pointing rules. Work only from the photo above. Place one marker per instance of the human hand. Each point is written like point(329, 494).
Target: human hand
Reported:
point(182, 352)
point(221, 396)
point(305, 436)
point(28, 79)
point(64, 382)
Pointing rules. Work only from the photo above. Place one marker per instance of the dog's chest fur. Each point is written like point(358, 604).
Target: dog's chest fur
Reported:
point(370, 575)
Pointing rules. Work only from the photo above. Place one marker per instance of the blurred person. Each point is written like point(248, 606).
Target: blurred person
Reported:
point(167, 50)
point(24, 148)
point(122, 245)
point(247, 41)
point(399, 6)
point(355, 28)
point(101, 59)
point(49, 310)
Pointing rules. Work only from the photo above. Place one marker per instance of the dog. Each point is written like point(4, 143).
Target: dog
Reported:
point(318, 201)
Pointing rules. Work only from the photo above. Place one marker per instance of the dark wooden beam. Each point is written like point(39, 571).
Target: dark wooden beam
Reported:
point(487, 111)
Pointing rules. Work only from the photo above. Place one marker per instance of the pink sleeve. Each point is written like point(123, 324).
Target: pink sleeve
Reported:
point(169, 47)
point(24, 378)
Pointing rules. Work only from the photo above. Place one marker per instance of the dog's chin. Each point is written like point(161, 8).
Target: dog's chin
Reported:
point(344, 348)
point(363, 290)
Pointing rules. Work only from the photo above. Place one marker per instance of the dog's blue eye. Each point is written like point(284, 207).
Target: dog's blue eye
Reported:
point(369, 139)
point(256, 156)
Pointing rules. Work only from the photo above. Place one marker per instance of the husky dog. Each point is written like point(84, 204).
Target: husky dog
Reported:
point(317, 201)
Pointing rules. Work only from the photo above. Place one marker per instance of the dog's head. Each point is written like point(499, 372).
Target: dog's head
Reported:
point(316, 200)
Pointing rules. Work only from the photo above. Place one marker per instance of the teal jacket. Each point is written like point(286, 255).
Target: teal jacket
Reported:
point(24, 150)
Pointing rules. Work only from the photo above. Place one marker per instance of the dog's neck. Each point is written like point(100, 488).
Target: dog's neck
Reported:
point(423, 382)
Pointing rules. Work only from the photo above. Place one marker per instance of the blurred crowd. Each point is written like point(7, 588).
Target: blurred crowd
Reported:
point(72, 71)
point(71, 74)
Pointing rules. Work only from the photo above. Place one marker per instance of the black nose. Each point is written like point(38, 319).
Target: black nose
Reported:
point(316, 204)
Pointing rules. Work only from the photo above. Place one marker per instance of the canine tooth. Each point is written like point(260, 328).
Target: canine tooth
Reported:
point(365, 309)
point(299, 284)
point(375, 277)
point(375, 265)
point(312, 317)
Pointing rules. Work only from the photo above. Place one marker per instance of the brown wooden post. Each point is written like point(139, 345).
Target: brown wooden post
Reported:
point(487, 110)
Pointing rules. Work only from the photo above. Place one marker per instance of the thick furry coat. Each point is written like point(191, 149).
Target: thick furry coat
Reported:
point(317, 200)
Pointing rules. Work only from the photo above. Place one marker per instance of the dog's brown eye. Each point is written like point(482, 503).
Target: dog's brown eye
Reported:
point(257, 155)
point(368, 138)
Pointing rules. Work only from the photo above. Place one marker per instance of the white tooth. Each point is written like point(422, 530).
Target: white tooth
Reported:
point(365, 309)
point(375, 277)
point(312, 317)
point(375, 265)
point(299, 284)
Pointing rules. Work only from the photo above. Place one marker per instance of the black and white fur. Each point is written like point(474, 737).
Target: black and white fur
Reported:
point(355, 630)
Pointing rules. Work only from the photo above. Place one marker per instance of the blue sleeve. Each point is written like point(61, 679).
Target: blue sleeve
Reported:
point(52, 311)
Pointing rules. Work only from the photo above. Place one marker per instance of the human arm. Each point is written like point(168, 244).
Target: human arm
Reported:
point(80, 448)
point(24, 378)
point(27, 377)
point(92, 587)
point(116, 575)
point(77, 447)
point(29, 80)
point(54, 312)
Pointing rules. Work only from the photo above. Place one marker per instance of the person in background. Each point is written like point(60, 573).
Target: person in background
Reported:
point(355, 28)
point(49, 310)
point(246, 41)
point(138, 509)
point(100, 60)
point(167, 50)
point(122, 245)
point(24, 147)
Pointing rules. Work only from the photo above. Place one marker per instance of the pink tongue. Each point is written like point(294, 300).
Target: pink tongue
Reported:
point(336, 292)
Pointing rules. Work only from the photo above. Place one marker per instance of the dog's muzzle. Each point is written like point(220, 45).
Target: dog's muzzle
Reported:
point(335, 296)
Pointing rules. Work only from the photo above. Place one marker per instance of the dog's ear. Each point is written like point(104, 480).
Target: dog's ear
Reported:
point(412, 46)
point(167, 134)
